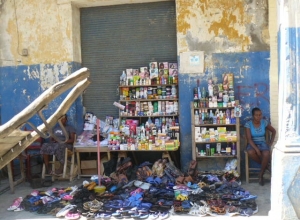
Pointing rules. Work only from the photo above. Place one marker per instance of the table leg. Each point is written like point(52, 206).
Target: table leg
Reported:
point(166, 154)
point(175, 158)
point(10, 178)
point(78, 165)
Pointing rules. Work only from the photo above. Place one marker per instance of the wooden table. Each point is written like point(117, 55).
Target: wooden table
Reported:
point(121, 153)
point(88, 149)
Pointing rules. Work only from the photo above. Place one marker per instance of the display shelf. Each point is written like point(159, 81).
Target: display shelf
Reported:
point(214, 125)
point(148, 100)
point(146, 116)
point(218, 156)
point(214, 142)
point(231, 135)
point(134, 86)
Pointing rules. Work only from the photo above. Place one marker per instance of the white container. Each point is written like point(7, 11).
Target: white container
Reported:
point(174, 91)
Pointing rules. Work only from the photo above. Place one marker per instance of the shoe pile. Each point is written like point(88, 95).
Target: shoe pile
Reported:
point(156, 192)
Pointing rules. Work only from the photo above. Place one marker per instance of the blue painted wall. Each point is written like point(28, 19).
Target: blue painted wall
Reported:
point(251, 86)
point(14, 83)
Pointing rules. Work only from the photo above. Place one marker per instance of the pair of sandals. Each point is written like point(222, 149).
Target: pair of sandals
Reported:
point(143, 173)
point(184, 180)
point(158, 168)
point(124, 165)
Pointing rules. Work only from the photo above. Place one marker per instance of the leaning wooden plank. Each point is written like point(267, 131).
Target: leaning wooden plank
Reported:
point(52, 120)
point(43, 100)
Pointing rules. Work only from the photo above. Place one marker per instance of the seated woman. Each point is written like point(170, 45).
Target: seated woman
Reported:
point(56, 148)
point(258, 149)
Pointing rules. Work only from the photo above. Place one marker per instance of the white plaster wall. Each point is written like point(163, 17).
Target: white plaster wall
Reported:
point(273, 28)
point(41, 26)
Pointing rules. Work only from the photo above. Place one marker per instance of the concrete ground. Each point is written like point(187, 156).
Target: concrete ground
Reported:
point(23, 189)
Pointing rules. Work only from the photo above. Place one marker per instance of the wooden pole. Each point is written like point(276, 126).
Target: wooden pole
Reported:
point(99, 150)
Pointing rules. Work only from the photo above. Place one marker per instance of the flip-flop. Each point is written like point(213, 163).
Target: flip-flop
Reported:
point(146, 163)
point(70, 215)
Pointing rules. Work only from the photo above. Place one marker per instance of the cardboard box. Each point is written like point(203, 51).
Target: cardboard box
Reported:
point(89, 171)
point(88, 164)
point(89, 167)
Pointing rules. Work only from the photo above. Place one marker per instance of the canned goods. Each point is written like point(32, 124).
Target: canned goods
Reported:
point(149, 91)
point(159, 90)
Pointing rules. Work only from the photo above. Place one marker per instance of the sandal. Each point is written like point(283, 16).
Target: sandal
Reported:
point(91, 186)
point(179, 180)
point(155, 167)
point(177, 206)
point(71, 215)
point(188, 179)
point(16, 204)
point(64, 210)
point(192, 168)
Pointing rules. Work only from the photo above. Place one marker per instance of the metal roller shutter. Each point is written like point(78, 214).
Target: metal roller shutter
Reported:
point(115, 38)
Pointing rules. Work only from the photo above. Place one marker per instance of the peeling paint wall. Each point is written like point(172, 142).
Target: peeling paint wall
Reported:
point(48, 32)
point(217, 26)
point(41, 26)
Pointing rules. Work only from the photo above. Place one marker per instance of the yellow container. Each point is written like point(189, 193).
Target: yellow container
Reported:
point(99, 189)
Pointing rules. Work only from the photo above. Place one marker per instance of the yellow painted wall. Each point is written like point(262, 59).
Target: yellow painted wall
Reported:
point(43, 27)
point(221, 25)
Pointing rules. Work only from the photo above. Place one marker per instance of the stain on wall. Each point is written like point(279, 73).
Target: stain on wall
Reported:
point(42, 27)
point(222, 26)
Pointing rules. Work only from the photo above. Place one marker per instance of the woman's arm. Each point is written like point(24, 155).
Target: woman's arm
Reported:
point(273, 131)
point(71, 138)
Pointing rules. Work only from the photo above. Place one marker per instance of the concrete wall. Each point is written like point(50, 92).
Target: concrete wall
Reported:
point(51, 35)
point(233, 34)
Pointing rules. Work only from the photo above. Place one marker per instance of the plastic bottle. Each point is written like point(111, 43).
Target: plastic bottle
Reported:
point(174, 91)
point(196, 118)
point(233, 149)
point(203, 93)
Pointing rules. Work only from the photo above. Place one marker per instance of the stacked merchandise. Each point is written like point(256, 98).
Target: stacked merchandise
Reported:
point(148, 92)
point(152, 191)
point(157, 74)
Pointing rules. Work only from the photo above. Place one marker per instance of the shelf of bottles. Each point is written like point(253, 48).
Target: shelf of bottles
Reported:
point(149, 113)
point(160, 134)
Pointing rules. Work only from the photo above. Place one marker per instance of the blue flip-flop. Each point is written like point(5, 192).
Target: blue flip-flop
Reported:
point(157, 181)
point(146, 163)
point(150, 180)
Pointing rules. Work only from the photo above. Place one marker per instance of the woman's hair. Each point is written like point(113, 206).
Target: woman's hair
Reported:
point(65, 116)
point(255, 110)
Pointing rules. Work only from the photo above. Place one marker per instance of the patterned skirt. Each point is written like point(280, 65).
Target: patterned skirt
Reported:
point(56, 149)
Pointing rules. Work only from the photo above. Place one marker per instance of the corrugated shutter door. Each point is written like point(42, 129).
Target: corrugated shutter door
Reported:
point(115, 38)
